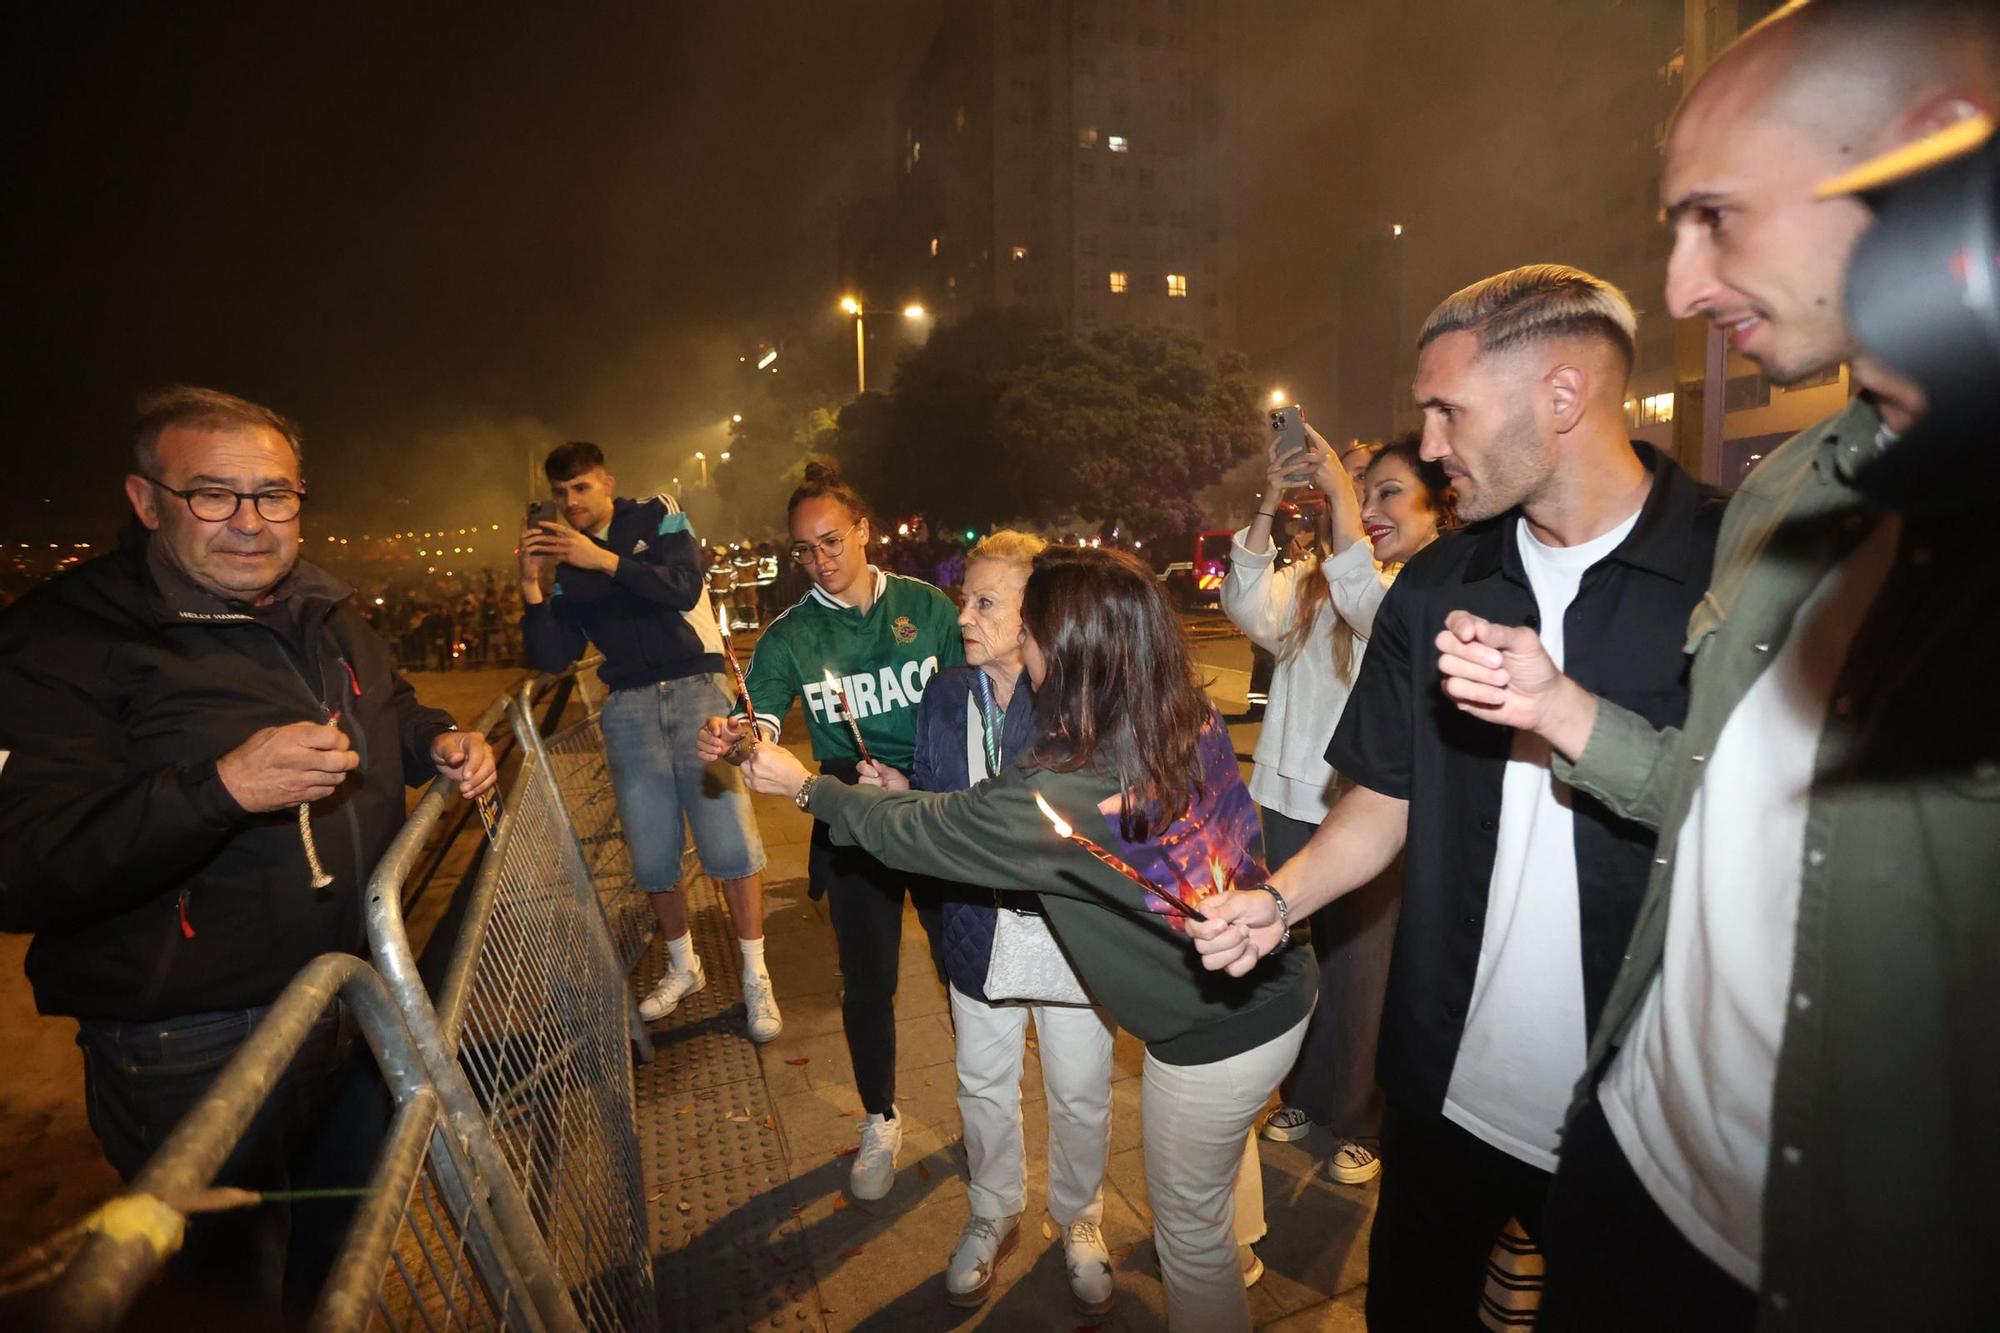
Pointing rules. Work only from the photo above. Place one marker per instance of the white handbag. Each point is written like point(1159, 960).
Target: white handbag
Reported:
point(1026, 964)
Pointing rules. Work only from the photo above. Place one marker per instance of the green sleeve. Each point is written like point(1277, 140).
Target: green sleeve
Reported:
point(991, 834)
point(773, 678)
point(1627, 763)
point(951, 644)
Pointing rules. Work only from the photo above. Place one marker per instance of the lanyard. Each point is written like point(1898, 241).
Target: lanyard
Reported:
point(989, 728)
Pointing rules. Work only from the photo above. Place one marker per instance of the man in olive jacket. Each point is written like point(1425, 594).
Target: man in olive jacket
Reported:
point(165, 710)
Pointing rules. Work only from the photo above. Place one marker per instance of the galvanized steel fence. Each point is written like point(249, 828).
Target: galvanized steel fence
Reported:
point(507, 1192)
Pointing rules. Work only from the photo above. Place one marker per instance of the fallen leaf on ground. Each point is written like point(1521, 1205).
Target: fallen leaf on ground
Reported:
point(770, 1122)
point(686, 1110)
point(847, 1152)
point(924, 1170)
point(655, 1198)
point(839, 1202)
point(854, 1253)
point(685, 1206)
point(800, 1060)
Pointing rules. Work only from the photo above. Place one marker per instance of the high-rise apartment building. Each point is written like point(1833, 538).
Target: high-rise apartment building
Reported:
point(1069, 154)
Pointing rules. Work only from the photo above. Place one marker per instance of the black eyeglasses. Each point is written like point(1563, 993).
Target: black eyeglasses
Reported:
point(829, 546)
point(218, 504)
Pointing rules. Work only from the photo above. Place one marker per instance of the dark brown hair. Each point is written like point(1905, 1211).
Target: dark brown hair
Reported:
point(566, 462)
point(1431, 476)
point(159, 410)
point(1120, 694)
point(823, 479)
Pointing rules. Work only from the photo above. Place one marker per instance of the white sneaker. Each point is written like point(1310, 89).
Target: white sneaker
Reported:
point(1286, 1124)
point(760, 1006)
point(1252, 1266)
point(675, 986)
point(1089, 1267)
point(1352, 1164)
point(968, 1277)
point(874, 1169)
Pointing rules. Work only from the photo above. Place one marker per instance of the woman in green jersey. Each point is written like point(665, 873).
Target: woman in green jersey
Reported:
point(865, 640)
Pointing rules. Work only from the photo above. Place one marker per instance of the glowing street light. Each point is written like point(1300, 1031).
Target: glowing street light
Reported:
point(764, 361)
point(852, 306)
point(736, 418)
point(702, 459)
point(1279, 398)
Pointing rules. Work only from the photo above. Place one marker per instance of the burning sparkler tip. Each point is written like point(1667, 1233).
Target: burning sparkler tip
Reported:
point(1061, 825)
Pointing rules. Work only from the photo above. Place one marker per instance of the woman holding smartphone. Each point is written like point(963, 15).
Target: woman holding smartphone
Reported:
point(859, 648)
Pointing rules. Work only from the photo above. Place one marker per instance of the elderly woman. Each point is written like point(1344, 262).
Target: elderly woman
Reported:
point(975, 720)
point(1128, 749)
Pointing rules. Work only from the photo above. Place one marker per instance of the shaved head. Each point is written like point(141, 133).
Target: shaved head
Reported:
point(1809, 93)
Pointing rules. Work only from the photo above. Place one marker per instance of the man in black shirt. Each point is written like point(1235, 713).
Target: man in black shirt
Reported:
point(1518, 893)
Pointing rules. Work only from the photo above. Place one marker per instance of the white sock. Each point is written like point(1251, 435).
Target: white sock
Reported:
point(753, 956)
point(680, 954)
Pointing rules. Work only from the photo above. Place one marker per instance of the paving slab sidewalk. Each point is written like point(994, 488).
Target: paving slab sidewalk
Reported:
point(747, 1151)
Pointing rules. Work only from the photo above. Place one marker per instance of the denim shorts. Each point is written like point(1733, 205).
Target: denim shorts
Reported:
point(662, 785)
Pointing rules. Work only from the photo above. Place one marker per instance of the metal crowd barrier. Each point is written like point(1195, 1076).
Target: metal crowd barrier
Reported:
point(507, 1192)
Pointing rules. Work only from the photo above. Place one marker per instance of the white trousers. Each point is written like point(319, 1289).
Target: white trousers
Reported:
point(1200, 1174)
point(1076, 1075)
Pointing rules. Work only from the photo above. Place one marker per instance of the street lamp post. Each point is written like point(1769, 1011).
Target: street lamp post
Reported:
point(702, 459)
point(852, 306)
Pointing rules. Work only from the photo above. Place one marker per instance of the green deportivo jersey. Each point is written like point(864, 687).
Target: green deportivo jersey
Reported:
point(882, 661)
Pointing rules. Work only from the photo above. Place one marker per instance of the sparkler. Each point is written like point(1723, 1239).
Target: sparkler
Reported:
point(1117, 863)
point(740, 752)
point(840, 696)
point(320, 879)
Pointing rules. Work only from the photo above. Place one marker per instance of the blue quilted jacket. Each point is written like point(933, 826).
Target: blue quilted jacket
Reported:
point(941, 766)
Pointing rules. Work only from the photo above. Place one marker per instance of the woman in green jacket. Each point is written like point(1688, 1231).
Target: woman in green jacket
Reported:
point(1129, 751)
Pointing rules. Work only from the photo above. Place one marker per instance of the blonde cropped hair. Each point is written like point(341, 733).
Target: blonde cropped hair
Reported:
point(1009, 547)
point(1533, 303)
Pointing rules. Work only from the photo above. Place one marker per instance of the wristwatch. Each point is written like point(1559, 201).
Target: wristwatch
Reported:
point(1284, 917)
point(803, 797)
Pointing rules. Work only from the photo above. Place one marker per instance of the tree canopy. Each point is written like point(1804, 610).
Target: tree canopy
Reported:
point(1003, 417)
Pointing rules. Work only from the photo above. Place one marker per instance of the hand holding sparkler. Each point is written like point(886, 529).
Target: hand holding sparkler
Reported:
point(1242, 928)
point(741, 751)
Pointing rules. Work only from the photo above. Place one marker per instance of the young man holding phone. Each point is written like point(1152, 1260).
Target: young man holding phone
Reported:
point(627, 577)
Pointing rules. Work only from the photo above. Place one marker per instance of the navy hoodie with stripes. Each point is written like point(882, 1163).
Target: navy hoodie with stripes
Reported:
point(651, 618)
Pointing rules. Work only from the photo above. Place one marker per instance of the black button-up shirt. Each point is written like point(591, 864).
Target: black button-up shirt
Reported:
point(1400, 736)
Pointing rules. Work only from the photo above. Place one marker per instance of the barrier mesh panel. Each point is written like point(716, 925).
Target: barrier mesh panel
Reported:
point(544, 1046)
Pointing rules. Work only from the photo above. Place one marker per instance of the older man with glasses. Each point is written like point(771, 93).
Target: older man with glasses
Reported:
point(175, 718)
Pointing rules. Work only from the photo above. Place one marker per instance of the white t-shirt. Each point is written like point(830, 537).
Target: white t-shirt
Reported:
point(1689, 1096)
point(1524, 1043)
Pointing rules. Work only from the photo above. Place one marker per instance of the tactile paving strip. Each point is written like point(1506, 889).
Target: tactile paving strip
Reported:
point(730, 1252)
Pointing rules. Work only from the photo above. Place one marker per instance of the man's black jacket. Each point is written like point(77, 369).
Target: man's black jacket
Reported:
point(151, 893)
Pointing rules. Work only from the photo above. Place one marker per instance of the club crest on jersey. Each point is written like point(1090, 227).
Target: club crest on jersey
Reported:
point(905, 630)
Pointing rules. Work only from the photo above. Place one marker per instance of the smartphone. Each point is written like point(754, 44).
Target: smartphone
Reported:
point(543, 511)
point(1288, 436)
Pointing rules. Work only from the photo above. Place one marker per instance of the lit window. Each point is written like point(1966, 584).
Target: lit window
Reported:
point(1653, 409)
point(1087, 137)
point(1020, 252)
point(1117, 144)
point(1176, 284)
point(1118, 281)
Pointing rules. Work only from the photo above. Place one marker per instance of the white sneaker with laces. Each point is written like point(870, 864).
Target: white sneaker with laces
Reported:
point(1089, 1264)
point(874, 1169)
point(983, 1243)
point(1286, 1124)
point(760, 1006)
point(675, 986)
point(1352, 1164)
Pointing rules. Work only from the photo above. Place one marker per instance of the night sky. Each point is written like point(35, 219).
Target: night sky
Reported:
point(439, 239)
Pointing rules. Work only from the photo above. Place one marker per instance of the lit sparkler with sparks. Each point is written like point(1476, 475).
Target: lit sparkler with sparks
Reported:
point(1117, 863)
